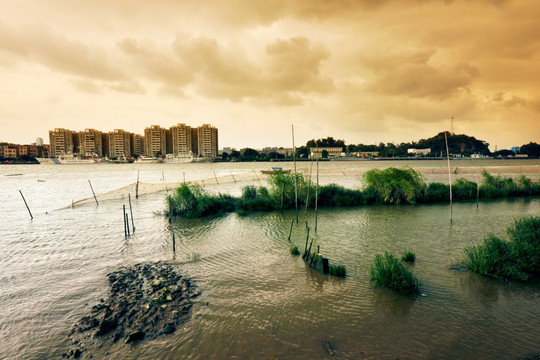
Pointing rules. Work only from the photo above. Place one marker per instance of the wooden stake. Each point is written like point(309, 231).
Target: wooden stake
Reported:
point(127, 224)
point(215, 176)
point(31, 217)
point(137, 185)
point(309, 250)
point(184, 176)
point(173, 243)
point(309, 187)
point(477, 192)
point(317, 196)
point(295, 181)
point(162, 175)
point(290, 231)
point(257, 176)
point(124, 216)
point(233, 177)
point(449, 176)
point(307, 239)
point(95, 198)
point(131, 211)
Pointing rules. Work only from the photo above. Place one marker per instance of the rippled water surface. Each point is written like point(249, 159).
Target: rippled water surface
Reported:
point(257, 301)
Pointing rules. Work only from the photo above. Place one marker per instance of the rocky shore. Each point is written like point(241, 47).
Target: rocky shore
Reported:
point(145, 301)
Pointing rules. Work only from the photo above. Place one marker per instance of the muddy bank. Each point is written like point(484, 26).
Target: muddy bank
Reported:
point(145, 301)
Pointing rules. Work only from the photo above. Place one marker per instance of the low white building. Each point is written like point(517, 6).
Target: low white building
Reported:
point(419, 152)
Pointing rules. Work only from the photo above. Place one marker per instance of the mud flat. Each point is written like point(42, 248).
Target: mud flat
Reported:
point(145, 301)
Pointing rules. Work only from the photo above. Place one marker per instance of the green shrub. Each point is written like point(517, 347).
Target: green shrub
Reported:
point(464, 189)
point(408, 256)
point(437, 192)
point(388, 272)
point(193, 201)
point(336, 196)
point(254, 199)
point(295, 251)
point(338, 270)
point(396, 186)
point(496, 186)
point(515, 259)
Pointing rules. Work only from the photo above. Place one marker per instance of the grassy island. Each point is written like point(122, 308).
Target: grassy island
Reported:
point(388, 186)
point(387, 271)
point(517, 258)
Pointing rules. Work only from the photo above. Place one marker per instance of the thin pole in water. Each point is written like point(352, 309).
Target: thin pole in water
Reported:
point(95, 198)
point(215, 176)
point(124, 216)
point(449, 176)
point(290, 231)
point(233, 177)
point(162, 175)
point(307, 239)
point(31, 217)
point(137, 185)
point(131, 211)
point(317, 196)
point(477, 192)
point(127, 223)
point(295, 181)
point(184, 176)
point(309, 187)
point(282, 194)
point(257, 176)
point(173, 243)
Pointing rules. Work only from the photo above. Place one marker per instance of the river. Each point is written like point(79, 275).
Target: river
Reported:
point(257, 301)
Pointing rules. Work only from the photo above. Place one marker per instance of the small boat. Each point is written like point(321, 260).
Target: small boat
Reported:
point(276, 170)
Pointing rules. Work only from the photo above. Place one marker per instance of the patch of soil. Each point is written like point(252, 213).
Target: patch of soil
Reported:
point(145, 301)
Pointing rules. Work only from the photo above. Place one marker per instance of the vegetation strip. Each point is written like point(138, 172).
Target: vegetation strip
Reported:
point(517, 258)
point(388, 186)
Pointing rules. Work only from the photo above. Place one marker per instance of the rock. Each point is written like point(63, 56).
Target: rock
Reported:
point(134, 336)
point(106, 326)
point(77, 353)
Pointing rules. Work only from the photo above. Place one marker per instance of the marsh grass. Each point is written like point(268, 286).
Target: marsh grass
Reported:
point(193, 201)
point(517, 258)
point(408, 256)
point(295, 251)
point(338, 270)
point(395, 186)
point(389, 272)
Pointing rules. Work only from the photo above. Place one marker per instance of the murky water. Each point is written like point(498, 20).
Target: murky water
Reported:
point(257, 301)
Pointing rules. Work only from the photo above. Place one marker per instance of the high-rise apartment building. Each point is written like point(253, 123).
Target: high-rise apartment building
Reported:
point(155, 141)
point(181, 141)
point(61, 142)
point(137, 144)
point(91, 142)
point(119, 144)
point(207, 141)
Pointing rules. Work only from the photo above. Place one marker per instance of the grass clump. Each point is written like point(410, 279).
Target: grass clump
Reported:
point(338, 270)
point(256, 199)
point(337, 196)
point(295, 251)
point(395, 186)
point(408, 256)
point(193, 201)
point(517, 258)
point(388, 272)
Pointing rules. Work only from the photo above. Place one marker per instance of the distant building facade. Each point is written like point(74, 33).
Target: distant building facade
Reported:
point(61, 142)
point(207, 138)
point(119, 144)
point(155, 141)
point(91, 142)
point(181, 141)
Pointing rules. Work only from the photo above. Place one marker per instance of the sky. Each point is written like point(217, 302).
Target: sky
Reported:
point(363, 71)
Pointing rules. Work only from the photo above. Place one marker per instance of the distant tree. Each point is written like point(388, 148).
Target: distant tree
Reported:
point(224, 156)
point(302, 152)
point(503, 153)
point(235, 155)
point(324, 154)
point(275, 155)
point(531, 149)
point(249, 154)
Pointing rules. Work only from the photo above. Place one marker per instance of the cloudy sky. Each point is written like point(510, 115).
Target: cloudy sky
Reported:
point(364, 71)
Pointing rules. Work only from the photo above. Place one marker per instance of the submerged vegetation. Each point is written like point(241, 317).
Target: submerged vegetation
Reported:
point(408, 256)
point(389, 272)
point(517, 258)
point(295, 251)
point(388, 186)
point(338, 270)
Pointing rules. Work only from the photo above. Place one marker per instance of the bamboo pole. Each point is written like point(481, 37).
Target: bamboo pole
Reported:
point(95, 198)
point(257, 176)
point(173, 243)
point(215, 176)
point(295, 180)
point(127, 223)
point(28, 208)
point(131, 212)
point(233, 177)
point(306, 255)
point(307, 239)
point(124, 216)
point(317, 197)
point(184, 173)
point(309, 187)
point(290, 231)
point(477, 192)
point(137, 185)
point(449, 176)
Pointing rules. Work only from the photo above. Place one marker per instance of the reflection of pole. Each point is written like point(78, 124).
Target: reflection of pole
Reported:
point(31, 217)
point(449, 176)
point(295, 181)
point(124, 216)
point(95, 198)
point(317, 196)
